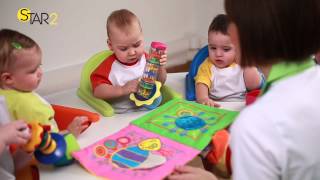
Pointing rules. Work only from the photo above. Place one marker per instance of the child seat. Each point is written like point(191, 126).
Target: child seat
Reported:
point(103, 107)
point(201, 55)
point(198, 59)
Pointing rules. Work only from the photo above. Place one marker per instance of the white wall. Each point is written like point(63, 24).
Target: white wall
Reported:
point(206, 10)
point(80, 31)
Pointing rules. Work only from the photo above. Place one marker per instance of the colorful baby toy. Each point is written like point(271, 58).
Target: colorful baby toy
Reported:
point(148, 94)
point(49, 147)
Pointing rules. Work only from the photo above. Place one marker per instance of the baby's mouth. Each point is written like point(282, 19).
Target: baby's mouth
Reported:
point(219, 61)
point(133, 60)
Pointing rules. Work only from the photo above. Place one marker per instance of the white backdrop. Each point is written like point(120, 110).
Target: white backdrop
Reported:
point(80, 31)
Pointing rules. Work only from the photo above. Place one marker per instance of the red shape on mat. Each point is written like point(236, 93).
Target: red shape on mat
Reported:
point(64, 115)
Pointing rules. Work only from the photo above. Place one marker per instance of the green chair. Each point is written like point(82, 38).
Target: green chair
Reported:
point(101, 106)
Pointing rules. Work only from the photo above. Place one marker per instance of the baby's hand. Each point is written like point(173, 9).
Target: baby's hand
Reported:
point(163, 59)
point(78, 125)
point(130, 87)
point(14, 133)
point(208, 102)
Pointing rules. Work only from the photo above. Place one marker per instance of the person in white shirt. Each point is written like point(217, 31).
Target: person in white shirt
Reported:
point(10, 133)
point(275, 138)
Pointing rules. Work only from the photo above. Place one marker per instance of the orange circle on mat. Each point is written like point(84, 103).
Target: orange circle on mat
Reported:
point(100, 151)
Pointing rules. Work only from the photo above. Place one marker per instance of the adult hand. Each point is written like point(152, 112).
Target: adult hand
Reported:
point(14, 133)
point(191, 173)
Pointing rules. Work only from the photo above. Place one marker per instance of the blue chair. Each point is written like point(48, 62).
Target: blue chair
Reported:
point(201, 55)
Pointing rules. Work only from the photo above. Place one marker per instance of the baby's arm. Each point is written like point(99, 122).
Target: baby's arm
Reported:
point(107, 91)
point(252, 78)
point(203, 84)
point(202, 95)
point(78, 125)
point(162, 70)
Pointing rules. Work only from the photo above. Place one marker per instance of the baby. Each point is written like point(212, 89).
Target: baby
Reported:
point(219, 77)
point(20, 75)
point(117, 76)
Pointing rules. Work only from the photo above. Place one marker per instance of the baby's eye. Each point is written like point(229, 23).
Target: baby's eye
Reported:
point(123, 49)
point(137, 45)
point(226, 49)
point(213, 48)
point(35, 70)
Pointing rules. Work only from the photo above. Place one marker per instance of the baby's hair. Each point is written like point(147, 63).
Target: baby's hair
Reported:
point(12, 42)
point(121, 18)
point(220, 24)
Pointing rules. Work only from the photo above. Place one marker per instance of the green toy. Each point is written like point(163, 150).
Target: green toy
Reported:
point(103, 107)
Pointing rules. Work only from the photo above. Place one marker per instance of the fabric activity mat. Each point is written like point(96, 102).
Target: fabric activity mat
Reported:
point(186, 122)
point(131, 153)
point(152, 145)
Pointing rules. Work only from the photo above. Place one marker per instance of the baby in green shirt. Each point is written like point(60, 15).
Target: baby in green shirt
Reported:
point(20, 75)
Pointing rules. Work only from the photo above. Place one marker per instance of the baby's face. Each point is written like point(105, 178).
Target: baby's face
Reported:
point(26, 72)
point(128, 44)
point(221, 50)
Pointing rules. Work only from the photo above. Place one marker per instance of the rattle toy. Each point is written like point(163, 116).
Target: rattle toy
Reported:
point(148, 94)
point(49, 147)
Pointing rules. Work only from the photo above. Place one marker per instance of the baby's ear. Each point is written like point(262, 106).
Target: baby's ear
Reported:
point(6, 78)
point(109, 44)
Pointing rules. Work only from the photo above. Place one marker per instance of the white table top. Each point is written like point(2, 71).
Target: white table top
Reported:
point(105, 126)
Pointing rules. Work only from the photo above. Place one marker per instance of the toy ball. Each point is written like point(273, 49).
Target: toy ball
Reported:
point(72, 145)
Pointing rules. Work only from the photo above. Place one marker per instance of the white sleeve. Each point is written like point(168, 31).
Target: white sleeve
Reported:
point(4, 112)
point(256, 146)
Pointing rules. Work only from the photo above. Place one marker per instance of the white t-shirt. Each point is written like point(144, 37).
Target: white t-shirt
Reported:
point(278, 136)
point(6, 161)
point(113, 72)
point(224, 84)
point(119, 75)
point(228, 83)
